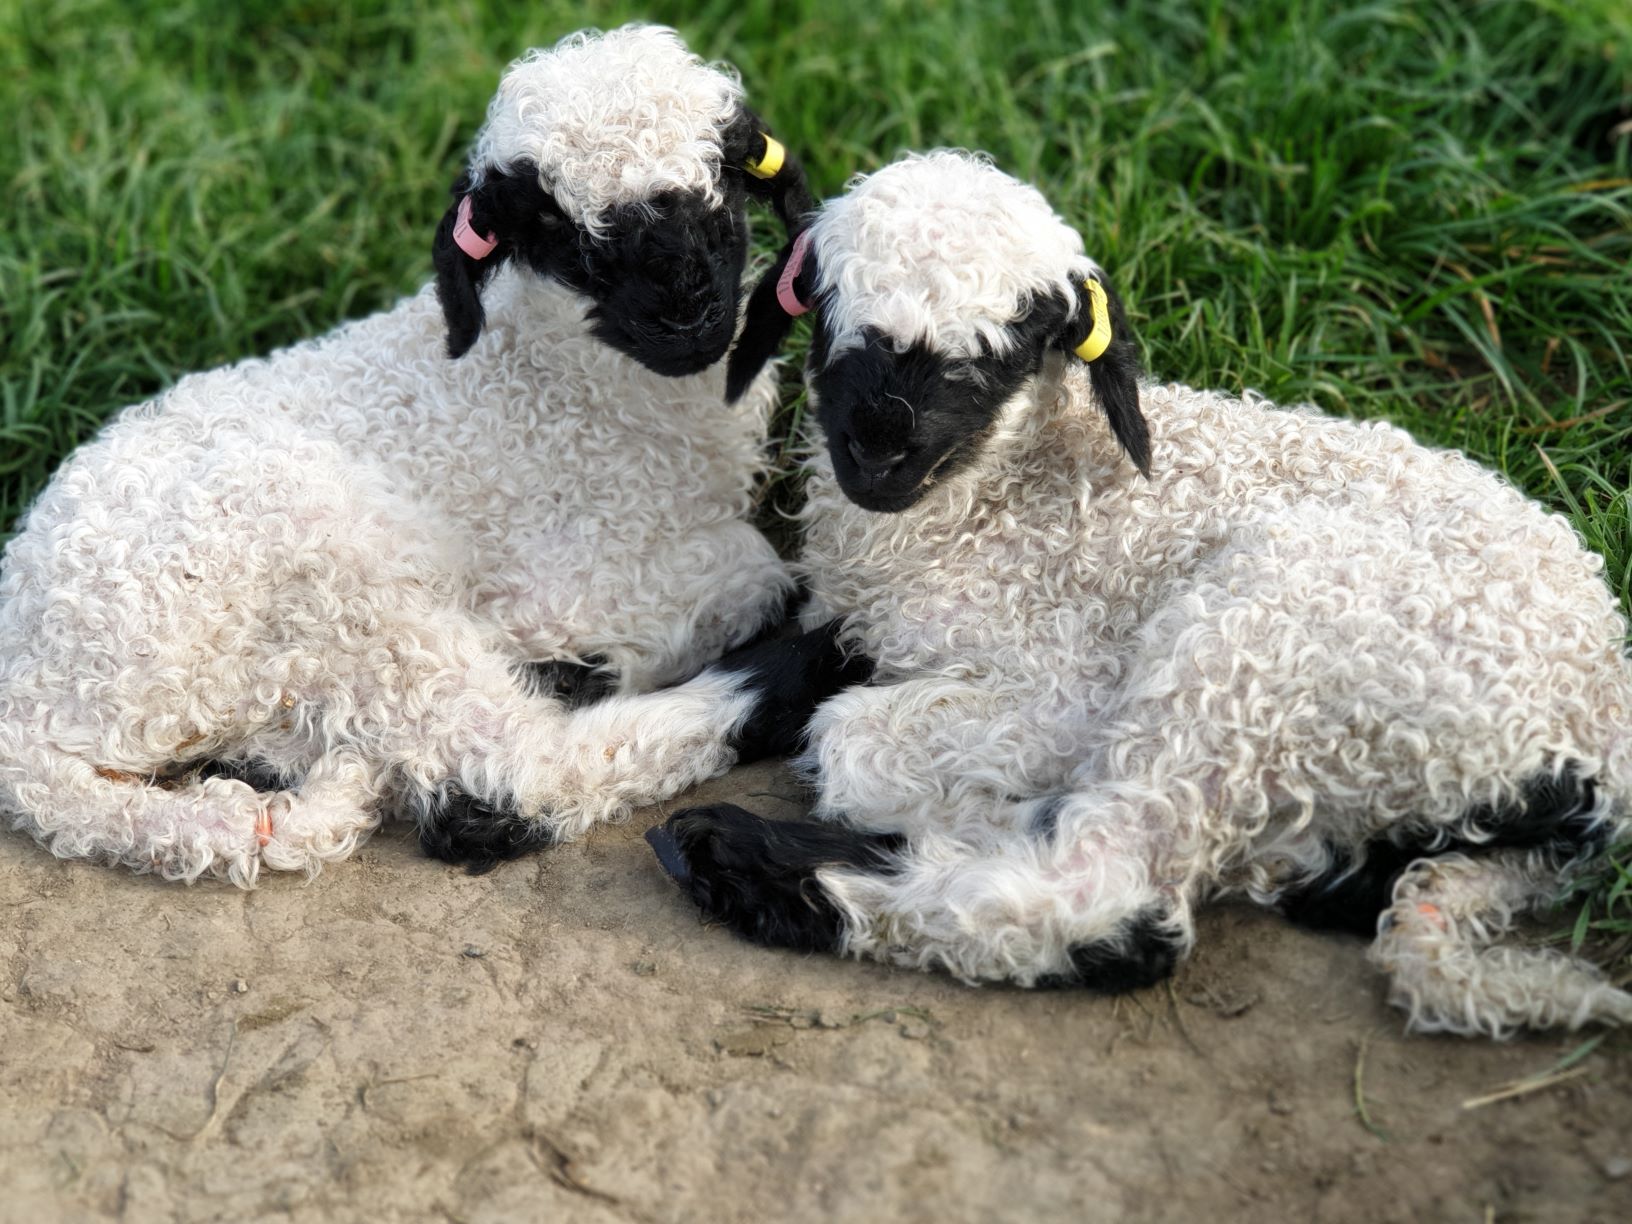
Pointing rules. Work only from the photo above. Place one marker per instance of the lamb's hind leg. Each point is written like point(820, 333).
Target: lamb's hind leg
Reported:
point(1438, 944)
point(194, 825)
point(181, 832)
point(334, 808)
point(1068, 901)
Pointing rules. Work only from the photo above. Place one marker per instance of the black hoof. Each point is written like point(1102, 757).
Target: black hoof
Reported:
point(1144, 953)
point(460, 829)
point(669, 855)
point(573, 684)
point(758, 877)
point(1349, 897)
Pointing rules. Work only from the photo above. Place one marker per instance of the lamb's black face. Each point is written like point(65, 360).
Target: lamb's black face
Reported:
point(900, 423)
point(665, 280)
point(663, 276)
point(902, 418)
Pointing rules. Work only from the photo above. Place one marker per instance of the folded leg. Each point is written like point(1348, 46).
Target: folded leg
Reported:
point(1438, 942)
point(927, 754)
point(601, 761)
point(1034, 909)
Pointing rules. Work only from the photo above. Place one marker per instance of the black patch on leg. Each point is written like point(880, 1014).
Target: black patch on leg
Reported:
point(257, 774)
point(1552, 815)
point(1045, 821)
point(789, 678)
point(458, 828)
point(573, 684)
point(1348, 896)
point(1144, 954)
point(758, 877)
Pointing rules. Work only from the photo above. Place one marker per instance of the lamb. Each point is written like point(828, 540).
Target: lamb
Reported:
point(1294, 658)
point(289, 595)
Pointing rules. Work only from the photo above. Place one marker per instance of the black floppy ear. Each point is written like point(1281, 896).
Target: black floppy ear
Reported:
point(1099, 335)
point(770, 170)
point(767, 323)
point(459, 277)
point(785, 190)
point(523, 221)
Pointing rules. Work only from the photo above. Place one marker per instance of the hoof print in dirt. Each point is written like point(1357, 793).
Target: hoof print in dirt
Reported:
point(758, 877)
point(461, 829)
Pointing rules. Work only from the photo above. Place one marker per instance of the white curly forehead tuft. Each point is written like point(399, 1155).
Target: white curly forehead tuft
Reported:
point(942, 248)
point(611, 119)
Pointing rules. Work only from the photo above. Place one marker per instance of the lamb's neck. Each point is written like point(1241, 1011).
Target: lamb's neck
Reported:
point(1050, 438)
point(545, 321)
point(1035, 474)
point(535, 306)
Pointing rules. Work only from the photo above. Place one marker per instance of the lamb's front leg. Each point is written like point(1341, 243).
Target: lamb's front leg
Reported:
point(599, 762)
point(1068, 897)
point(653, 615)
point(928, 754)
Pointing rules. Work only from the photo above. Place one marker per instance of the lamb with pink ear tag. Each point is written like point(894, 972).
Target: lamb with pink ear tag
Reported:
point(1135, 646)
point(416, 566)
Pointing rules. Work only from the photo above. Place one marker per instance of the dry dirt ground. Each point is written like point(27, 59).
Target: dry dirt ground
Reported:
point(561, 1040)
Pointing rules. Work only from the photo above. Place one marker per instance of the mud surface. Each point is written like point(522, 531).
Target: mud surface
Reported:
point(561, 1040)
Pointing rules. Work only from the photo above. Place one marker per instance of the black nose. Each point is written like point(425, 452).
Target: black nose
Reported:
point(874, 467)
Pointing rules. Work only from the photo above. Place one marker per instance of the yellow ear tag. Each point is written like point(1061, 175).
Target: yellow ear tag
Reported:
point(769, 162)
point(1099, 337)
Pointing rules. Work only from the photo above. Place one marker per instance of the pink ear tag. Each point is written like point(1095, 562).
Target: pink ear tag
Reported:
point(467, 239)
point(785, 296)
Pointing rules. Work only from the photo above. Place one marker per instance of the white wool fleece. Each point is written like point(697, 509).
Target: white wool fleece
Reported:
point(332, 562)
point(614, 118)
point(916, 254)
point(1099, 693)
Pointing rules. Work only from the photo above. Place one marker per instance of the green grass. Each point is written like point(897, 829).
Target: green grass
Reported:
point(1416, 211)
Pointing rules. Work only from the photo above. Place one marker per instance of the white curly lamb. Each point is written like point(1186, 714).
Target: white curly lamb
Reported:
point(323, 571)
point(1305, 659)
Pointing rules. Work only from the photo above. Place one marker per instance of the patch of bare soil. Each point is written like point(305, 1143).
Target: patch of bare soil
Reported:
point(562, 1040)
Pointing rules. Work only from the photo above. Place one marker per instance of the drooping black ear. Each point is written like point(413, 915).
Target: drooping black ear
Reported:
point(767, 323)
point(771, 172)
point(1099, 334)
point(523, 220)
point(786, 191)
point(459, 277)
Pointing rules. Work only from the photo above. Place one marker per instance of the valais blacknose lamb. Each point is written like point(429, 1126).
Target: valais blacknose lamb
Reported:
point(1121, 670)
point(287, 596)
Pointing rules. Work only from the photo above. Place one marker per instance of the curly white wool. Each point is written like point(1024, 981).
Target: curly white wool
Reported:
point(610, 119)
point(332, 560)
point(923, 251)
point(1099, 693)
